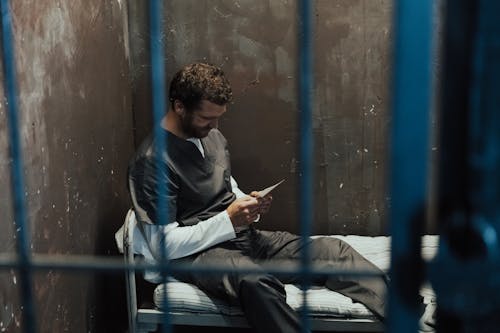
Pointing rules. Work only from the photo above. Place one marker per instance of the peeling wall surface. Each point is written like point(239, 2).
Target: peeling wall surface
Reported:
point(255, 42)
point(76, 135)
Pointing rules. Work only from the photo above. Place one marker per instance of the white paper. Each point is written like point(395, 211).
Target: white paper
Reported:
point(266, 191)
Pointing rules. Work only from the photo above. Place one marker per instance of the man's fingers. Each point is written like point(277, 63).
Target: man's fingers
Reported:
point(244, 211)
point(249, 199)
point(249, 202)
point(251, 210)
point(251, 206)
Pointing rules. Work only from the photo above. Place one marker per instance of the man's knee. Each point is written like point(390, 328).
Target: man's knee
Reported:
point(327, 248)
point(261, 284)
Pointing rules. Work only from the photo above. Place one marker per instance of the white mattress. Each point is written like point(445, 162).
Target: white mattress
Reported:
point(185, 297)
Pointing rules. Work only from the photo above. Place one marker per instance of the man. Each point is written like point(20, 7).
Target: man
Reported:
point(211, 221)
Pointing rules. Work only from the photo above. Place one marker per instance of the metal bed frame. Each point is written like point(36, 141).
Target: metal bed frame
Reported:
point(146, 319)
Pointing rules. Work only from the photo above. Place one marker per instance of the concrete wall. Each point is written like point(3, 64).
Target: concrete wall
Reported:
point(76, 133)
point(255, 41)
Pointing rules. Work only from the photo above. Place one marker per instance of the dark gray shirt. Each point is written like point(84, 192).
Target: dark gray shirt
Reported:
point(196, 188)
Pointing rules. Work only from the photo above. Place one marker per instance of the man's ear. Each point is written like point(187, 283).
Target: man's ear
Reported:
point(179, 108)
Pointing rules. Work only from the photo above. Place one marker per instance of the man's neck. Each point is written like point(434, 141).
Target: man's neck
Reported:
point(171, 123)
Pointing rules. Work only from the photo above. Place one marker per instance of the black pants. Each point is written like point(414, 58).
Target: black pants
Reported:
point(262, 296)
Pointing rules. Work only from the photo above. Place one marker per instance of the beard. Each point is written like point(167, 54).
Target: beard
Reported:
point(192, 131)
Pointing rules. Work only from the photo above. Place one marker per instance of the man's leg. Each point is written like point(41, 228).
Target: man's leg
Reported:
point(261, 296)
point(329, 252)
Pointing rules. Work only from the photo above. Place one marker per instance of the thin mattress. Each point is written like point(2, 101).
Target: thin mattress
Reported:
point(184, 297)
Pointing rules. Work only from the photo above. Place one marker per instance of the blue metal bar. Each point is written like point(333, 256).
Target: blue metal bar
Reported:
point(20, 218)
point(469, 178)
point(83, 263)
point(410, 143)
point(159, 99)
point(306, 145)
point(484, 118)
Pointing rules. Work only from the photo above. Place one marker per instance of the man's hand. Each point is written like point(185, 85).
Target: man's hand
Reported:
point(264, 202)
point(243, 211)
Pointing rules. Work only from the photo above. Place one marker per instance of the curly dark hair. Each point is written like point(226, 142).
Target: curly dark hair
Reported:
point(199, 81)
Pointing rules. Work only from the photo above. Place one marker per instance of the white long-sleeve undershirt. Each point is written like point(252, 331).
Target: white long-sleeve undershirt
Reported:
point(183, 241)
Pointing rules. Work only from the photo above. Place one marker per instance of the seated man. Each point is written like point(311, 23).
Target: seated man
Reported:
point(211, 221)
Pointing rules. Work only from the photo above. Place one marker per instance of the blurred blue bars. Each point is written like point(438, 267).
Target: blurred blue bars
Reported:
point(411, 103)
point(159, 98)
point(17, 181)
point(305, 48)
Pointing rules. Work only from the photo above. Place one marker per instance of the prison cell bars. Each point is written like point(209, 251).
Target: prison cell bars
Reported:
point(469, 177)
point(16, 167)
point(305, 148)
point(409, 68)
point(409, 160)
point(159, 98)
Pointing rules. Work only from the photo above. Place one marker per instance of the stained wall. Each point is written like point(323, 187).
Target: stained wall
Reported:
point(76, 135)
point(255, 42)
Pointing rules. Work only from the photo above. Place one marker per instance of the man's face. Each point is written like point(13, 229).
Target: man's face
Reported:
point(197, 123)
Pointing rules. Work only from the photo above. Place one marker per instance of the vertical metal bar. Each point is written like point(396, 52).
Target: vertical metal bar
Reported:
point(159, 108)
point(454, 178)
point(409, 160)
point(469, 187)
point(484, 120)
point(306, 144)
point(20, 218)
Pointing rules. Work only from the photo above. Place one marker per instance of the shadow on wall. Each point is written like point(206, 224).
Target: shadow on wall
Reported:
point(256, 45)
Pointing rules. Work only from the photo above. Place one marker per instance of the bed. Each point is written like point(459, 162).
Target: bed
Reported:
point(329, 311)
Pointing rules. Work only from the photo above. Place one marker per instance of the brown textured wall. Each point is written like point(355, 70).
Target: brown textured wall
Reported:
point(76, 134)
point(76, 126)
point(352, 79)
point(256, 44)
